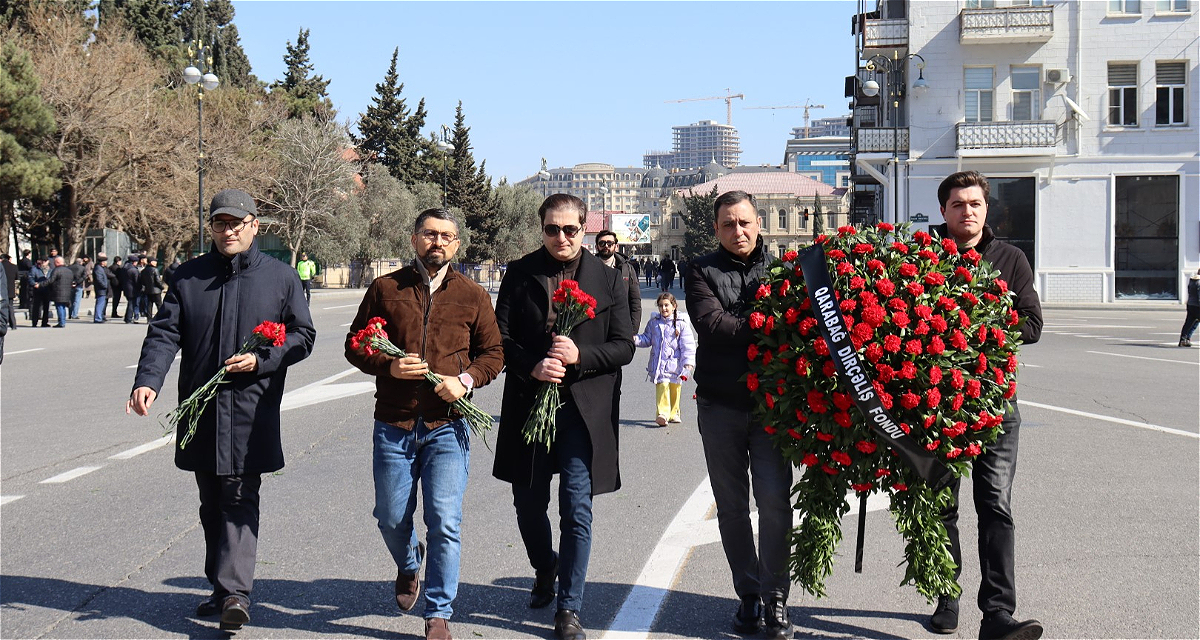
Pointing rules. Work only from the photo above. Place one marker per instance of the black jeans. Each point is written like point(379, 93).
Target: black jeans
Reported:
point(992, 478)
point(116, 300)
point(41, 308)
point(307, 284)
point(1190, 322)
point(229, 515)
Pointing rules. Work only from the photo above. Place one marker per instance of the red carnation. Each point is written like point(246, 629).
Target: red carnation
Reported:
point(900, 486)
point(800, 417)
point(928, 255)
point(956, 430)
point(847, 230)
point(783, 288)
point(900, 319)
point(972, 450)
point(757, 319)
point(1011, 365)
point(935, 347)
point(770, 399)
point(921, 329)
point(885, 287)
point(817, 402)
point(972, 256)
point(828, 469)
point(824, 437)
point(909, 400)
point(908, 270)
point(820, 347)
point(766, 357)
point(1001, 285)
point(956, 378)
point(764, 290)
point(795, 434)
point(998, 334)
point(953, 453)
point(842, 401)
point(885, 372)
point(752, 381)
point(924, 238)
point(958, 340)
point(908, 370)
point(864, 332)
point(896, 304)
point(932, 446)
point(973, 388)
point(874, 352)
point(956, 403)
point(900, 247)
point(875, 266)
point(862, 248)
point(935, 279)
point(873, 315)
point(963, 273)
point(769, 429)
point(840, 457)
point(857, 283)
point(801, 366)
point(935, 375)
point(806, 325)
point(884, 226)
point(891, 343)
point(939, 323)
point(842, 419)
point(949, 245)
point(791, 315)
point(933, 398)
point(789, 255)
point(914, 347)
point(865, 447)
point(844, 267)
point(848, 305)
point(752, 352)
point(809, 460)
point(836, 254)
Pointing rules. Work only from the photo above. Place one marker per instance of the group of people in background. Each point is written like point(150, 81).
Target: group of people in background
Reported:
point(48, 280)
point(661, 272)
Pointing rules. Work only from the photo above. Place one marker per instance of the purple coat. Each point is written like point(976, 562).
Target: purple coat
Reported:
point(669, 353)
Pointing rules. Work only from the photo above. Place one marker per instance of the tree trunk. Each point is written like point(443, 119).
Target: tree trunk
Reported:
point(72, 240)
point(6, 216)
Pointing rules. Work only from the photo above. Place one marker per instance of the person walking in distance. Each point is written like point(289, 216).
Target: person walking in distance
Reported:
point(306, 269)
point(1193, 311)
point(152, 287)
point(10, 291)
point(62, 290)
point(115, 288)
point(217, 300)
point(39, 288)
point(100, 284)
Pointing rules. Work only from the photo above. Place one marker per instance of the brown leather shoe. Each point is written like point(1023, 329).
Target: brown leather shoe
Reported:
point(234, 613)
point(437, 629)
point(408, 586)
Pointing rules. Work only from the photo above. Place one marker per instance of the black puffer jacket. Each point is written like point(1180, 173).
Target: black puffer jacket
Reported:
point(720, 287)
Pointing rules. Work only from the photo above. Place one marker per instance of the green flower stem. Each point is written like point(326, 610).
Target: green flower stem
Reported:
point(540, 426)
point(191, 408)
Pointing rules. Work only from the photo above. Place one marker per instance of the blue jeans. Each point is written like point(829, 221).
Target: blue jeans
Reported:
point(62, 311)
point(438, 460)
point(78, 297)
point(101, 308)
point(571, 457)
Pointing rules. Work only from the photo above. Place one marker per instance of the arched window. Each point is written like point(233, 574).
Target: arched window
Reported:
point(783, 218)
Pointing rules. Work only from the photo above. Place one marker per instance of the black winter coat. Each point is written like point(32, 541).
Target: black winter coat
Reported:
point(720, 287)
point(209, 313)
point(150, 282)
point(605, 345)
point(625, 266)
point(61, 283)
point(129, 284)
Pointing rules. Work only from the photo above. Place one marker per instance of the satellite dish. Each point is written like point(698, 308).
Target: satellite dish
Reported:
point(1076, 109)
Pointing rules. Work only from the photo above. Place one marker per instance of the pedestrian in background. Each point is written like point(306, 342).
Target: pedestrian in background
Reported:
point(24, 265)
point(115, 271)
point(100, 284)
point(10, 292)
point(666, 269)
point(169, 273)
point(39, 277)
point(79, 275)
point(128, 278)
point(62, 290)
point(5, 308)
point(672, 356)
point(306, 269)
point(1193, 311)
point(217, 301)
point(151, 286)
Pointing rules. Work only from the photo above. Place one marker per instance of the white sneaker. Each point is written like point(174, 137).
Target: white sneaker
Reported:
point(675, 419)
point(661, 420)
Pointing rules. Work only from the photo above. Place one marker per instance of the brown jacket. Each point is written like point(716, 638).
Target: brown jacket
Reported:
point(454, 331)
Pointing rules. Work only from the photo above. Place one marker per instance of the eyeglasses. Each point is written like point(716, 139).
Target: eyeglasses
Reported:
point(553, 230)
point(432, 236)
point(221, 226)
point(606, 243)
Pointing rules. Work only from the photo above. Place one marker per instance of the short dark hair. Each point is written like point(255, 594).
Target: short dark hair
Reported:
point(563, 201)
point(730, 198)
point(436, 212)
point(962, 180)
point(606, 232)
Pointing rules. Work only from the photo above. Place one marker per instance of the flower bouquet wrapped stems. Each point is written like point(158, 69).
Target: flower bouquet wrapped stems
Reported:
point(572, 306)
point(373, 339)
point(190, 409)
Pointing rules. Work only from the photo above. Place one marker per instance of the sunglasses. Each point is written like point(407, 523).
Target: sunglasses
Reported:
point(605, 243)
point(570, 231)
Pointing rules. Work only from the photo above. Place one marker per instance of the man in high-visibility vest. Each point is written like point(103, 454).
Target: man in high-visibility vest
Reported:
point(307, 269)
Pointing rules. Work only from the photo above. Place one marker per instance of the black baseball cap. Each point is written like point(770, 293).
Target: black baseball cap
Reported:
point(234, 202)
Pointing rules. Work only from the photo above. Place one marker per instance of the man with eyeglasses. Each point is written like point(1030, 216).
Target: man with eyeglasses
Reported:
point(214, 303)
point(606, 250)
point(586, 365)
point(447, 325)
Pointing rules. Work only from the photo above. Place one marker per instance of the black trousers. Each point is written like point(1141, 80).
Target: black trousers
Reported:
point(307, 284)
point(116, 300)
point(992, 479)
point(229, 516)
point(41, 308)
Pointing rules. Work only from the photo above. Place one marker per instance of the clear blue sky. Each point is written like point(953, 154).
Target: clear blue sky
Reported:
point(573, 81)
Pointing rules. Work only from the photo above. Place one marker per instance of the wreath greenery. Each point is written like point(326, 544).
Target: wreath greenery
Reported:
point(936, 330)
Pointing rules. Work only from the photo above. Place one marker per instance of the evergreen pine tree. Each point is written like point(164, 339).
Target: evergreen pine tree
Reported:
point(384, 127)
point(698, 220)
point(305, 94)
point(818, 219)
point(469, 189)
point(25, 172)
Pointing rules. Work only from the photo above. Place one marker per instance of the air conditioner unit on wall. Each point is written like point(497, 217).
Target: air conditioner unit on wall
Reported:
point(1058, 76)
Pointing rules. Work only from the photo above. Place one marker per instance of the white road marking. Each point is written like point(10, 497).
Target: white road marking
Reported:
point(1096, 416)
point(1122, 355)
point(1035, 366)
point(7, 499)
point(1164, 333)
point(13, 353)
point(1136, 339)
point(1097, 326)
point(134, 366)
point(341, 306)
point(346, 325)
point(1092, 318)
point(323, 391)
point(138, 450)
point(70, 475)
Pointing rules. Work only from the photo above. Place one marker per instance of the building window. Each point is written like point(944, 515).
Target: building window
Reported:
point(1027, 94)
point(1125, 6)
point(1029, 3)
point(675, 222)
point(1171, 78)
point(1122, 94)
point(980, 4)
point(783, 218)
point(1012, 212)
point(1171, 6)
point(977, 82)
point(1147, 237)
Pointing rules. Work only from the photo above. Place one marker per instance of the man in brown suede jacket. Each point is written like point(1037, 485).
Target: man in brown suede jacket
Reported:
point(447, 325)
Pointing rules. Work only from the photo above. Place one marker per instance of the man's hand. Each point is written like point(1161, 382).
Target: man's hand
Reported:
point(140, 401)
point(564, 350)
point(450, 389)
point(549, 370)
point(408, 368)
point(243, 363)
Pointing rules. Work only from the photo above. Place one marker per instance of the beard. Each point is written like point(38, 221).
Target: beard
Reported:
point(434, 260)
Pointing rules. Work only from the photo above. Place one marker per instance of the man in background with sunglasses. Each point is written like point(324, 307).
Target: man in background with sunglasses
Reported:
point(586, 364)
point(606, 250)
point(214, 303)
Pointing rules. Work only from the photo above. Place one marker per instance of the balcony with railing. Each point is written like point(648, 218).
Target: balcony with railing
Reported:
point(889, 33)
point(1016, 138)
point(1006, 24)
point(881, 140)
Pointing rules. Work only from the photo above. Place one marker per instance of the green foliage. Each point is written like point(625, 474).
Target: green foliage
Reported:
point(25, 171)
point(13, 13)
point(392, 134)
point(305, 94)
point(470, 189)
point(518, 227)
point(699, 236)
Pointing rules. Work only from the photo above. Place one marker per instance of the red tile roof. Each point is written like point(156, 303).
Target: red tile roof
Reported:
point(763, 183)
point(596, 222)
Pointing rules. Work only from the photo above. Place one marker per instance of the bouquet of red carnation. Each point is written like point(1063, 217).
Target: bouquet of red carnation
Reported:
point(373, 339)
point(190, 409)
point(573, 306)
point(935, 337)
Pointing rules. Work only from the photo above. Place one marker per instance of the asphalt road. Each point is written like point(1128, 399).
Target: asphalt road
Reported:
point(99, 536)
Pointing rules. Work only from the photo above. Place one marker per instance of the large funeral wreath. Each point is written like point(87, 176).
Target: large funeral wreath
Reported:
point(935, 331)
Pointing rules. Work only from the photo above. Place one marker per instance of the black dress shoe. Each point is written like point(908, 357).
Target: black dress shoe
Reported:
point(542, 593)
point(234, 613)
point(999, 625)
point(567, 626)
point(776, 623)
point(945, 616)
point(748, 618)
point(210, 606)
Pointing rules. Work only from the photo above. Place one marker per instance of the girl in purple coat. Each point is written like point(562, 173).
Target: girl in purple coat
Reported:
point(668, 333)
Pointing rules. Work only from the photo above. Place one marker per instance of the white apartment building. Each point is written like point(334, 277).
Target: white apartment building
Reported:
point(602, 186)
point(696, 145)
point(1083, 115)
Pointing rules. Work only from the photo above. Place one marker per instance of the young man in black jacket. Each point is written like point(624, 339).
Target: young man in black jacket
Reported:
point(963, 197)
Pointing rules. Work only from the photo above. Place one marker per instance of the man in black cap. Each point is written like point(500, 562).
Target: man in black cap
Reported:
point(213, 305)
point(152, 287)
point(100, 283)
point(129, 285)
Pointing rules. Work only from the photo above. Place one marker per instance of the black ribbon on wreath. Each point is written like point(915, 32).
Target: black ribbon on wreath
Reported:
point(858, 380)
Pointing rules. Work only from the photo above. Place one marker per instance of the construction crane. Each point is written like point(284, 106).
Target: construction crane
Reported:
point(728, 98)
point(806, 106)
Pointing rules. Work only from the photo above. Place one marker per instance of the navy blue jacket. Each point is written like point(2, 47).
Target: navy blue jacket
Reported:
point(209, 313)
point(100, 279)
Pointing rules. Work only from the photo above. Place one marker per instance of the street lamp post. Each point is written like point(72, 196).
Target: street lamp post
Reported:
point(446, 148)
point(891, 93)
point(200, 74)
point(544, 176)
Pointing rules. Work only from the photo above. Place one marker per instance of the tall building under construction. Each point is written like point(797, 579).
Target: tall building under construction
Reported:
point(695, 145)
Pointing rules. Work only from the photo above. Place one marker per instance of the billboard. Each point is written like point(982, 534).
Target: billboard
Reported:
point(631, 228)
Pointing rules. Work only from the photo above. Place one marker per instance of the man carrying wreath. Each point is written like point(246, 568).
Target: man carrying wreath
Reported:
point(963, 198)
point(586, 365)
point(214, 303)
point(445, 321)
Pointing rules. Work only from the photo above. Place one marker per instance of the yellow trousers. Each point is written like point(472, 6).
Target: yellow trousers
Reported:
point(667, 394)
